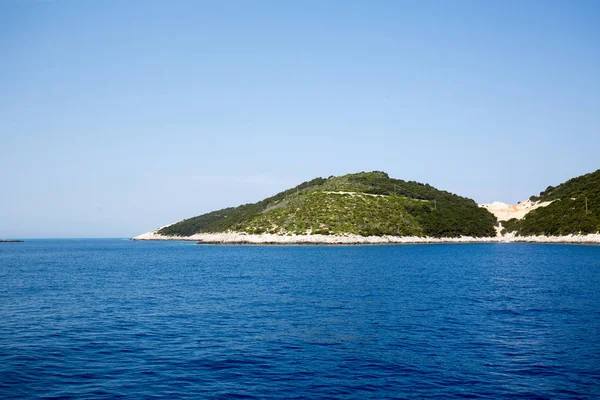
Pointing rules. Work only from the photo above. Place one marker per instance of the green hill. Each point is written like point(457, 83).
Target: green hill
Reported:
point(575, 209)
point(366, 203)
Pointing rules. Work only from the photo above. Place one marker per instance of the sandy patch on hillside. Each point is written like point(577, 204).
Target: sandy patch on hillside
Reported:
point(504, 211)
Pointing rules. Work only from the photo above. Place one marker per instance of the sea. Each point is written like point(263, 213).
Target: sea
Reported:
point(114, 318)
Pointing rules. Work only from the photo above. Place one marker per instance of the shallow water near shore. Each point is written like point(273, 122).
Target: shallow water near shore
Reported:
point(117, 318)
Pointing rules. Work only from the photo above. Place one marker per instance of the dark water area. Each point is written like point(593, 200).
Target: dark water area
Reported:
point(113, 319)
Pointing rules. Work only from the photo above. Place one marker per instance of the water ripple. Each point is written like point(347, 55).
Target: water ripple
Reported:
point(104, 319)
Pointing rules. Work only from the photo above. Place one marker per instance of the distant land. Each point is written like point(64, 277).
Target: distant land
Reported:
point(10, 241)
point(371, 207)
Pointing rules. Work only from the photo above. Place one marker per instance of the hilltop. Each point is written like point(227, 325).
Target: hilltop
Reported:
point(364, 204)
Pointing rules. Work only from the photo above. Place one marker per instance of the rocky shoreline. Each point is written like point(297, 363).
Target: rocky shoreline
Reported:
point(236, 238)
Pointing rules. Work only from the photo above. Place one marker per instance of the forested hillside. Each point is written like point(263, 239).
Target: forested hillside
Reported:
point(575, 209)
point(366, 203)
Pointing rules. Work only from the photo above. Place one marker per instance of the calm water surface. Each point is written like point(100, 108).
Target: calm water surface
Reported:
point(114, 318)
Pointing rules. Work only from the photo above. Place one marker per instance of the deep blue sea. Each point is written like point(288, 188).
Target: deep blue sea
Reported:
point(91, 319)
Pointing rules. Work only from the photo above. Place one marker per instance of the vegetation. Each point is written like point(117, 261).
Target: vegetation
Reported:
point(367, 203)
point(332, 213)
point(575, 209)
point(227, 218)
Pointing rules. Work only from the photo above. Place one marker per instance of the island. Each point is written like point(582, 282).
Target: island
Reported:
point(372, 208)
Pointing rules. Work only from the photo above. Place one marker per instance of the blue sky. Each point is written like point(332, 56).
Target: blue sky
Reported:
point(118, 117)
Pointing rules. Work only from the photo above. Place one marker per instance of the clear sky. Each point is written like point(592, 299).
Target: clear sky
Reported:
point(117, 117)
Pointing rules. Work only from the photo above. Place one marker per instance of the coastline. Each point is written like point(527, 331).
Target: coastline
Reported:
point(235, 238)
